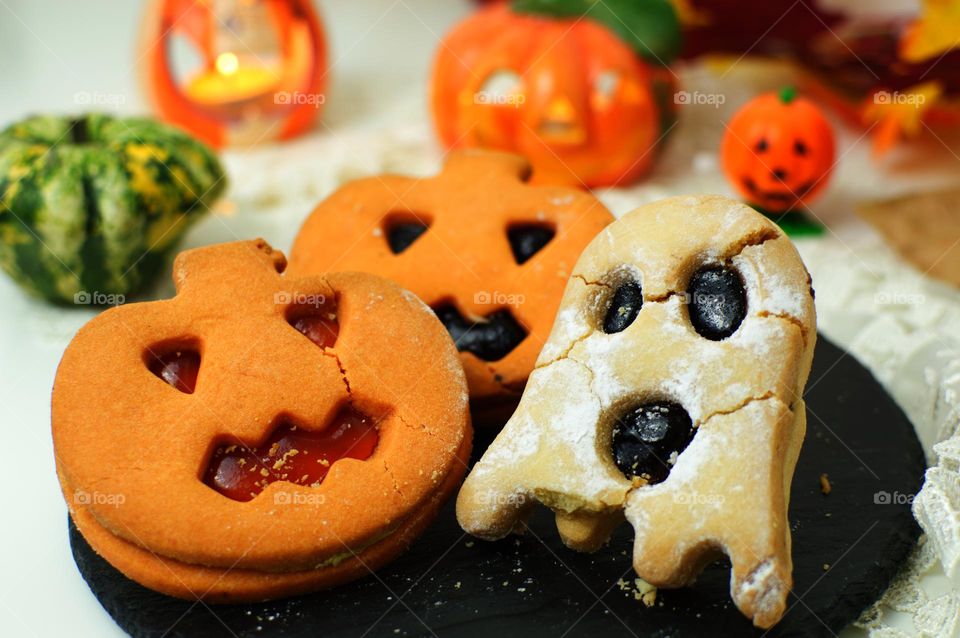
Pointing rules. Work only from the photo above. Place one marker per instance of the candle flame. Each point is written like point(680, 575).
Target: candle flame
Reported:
point(227, 63)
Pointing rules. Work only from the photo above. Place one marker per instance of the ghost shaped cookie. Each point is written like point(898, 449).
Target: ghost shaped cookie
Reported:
point(669, 392)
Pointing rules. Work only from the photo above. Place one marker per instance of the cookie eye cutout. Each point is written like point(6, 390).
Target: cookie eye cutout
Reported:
point(292, 454)
point(491, 338)
point(625, 305)
point(315, 317)
point(647, 439)
point(177, 365)
point(526, 240)
point(717, 302)
point(403, 229)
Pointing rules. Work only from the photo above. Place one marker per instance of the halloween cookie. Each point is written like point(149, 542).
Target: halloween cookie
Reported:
point(669, 391)
point(489, 253)
point(258, 436)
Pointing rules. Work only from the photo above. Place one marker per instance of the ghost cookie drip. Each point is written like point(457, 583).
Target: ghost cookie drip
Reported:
point(669, 392)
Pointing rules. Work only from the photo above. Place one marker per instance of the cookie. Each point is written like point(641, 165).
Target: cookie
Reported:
point(259, 435)
point(669, 392)
point(488, 252)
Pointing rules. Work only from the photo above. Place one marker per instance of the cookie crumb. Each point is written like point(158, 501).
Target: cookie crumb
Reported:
point(825, 486)
point(645, 593)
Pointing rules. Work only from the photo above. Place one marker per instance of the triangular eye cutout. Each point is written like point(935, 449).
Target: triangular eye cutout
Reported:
point(526, 240)
point(178, 367)
point(402, 231)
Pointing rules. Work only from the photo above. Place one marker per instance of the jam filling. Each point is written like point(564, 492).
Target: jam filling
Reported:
point(491, 338)
point(178, 368)
point(402, 234)
point(291, 454)
point(526, 240)
point(320, 327)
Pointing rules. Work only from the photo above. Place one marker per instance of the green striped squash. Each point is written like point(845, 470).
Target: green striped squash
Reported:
point(94, 204)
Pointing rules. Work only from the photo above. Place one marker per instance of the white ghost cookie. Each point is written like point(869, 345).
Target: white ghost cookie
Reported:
point(670, 392)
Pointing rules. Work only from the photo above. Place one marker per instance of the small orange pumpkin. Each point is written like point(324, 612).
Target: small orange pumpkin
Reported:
point(567, 93)
point(778, 151)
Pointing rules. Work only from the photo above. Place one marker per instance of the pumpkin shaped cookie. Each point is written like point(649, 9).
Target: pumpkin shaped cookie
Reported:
point(488, 252)
point(258, 436)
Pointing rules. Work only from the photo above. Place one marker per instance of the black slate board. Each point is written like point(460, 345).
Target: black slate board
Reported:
point(533, 586)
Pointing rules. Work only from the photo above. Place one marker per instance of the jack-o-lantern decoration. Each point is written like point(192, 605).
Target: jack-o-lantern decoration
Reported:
point(778, 151)
point(488, 252)
point(565, 92)
point(258, 436)
point(261, 72)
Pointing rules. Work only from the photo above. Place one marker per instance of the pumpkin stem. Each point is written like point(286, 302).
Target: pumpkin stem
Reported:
point(787, 94)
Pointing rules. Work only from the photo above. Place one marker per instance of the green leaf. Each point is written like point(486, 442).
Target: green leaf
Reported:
point(649, 27)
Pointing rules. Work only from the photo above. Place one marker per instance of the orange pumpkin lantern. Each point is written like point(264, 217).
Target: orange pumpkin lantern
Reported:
point(261, 71)
point(567, 93)
point(778, 151)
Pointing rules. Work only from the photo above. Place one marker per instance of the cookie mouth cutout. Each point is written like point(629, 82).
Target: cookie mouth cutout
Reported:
point(647, 439)
point(291, 453)
point(490, 338)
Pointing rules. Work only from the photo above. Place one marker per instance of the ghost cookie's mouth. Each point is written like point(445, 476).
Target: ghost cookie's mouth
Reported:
point(648, 438)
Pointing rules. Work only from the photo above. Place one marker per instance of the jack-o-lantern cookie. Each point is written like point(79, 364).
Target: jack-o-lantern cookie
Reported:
point(488, 252)
point(670, 390)
point(257, 435)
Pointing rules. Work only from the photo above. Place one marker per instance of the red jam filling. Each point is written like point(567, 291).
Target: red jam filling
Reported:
point(291, 454)
point(321, 328)
point(179, 369)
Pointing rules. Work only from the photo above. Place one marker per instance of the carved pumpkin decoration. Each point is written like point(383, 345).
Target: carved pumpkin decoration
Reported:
point(778, 151)
point(258, 436)
point(488, 252)
point(261, 73)
point(566, 93)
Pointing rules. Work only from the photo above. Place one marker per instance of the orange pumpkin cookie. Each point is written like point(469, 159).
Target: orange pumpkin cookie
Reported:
point(258, 436)
point(488, 252)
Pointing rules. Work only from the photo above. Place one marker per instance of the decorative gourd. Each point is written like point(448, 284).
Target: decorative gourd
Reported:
point(575, 90)
point(778, 151)
point(89, 207)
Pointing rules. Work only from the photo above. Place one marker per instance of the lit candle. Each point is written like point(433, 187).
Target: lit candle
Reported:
point(230, 83)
